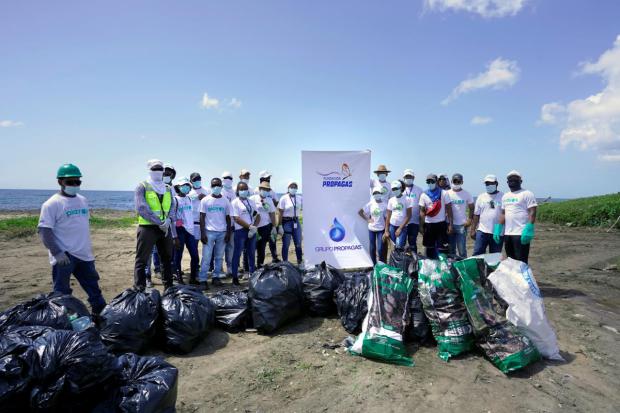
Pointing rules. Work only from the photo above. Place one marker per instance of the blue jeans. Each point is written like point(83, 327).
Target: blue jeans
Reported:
point(87, 276)
point(412, 236)
point(457, 240)
point(243, 243)
point(483, 240)
point(153, 258)
point(291, 232)
point(376, 245)
point(186, 240)
point(402, 238)
point(214, 247)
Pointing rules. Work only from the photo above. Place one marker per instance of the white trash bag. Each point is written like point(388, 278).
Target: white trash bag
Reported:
point(514, 282)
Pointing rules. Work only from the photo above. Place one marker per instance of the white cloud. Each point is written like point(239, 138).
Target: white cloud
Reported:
point(592, 123)
point(500, 74)
point(481, 120)
point(209, 102)
point(485, 8)
point(9, 124)
point(234, 103)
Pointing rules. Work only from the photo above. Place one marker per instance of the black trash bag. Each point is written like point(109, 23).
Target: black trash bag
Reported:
point(418, 328)
point(352, 300)
point(187, 317)
point(17, 358)
point(52, 310)
point(142, 385)
point(72, 366)
point(276, 296)
point(406, 259)
point(232, 310)
point(320, 283)
point(129, 321)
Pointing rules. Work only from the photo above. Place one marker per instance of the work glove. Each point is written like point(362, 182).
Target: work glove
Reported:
point(528, 233)
point(497, 232)
point(165, 226)
point(62, 259)
point(252, 231)
point(274, 233)
point(280, 230)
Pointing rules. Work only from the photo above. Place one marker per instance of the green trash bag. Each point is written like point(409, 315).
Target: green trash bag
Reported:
point(444, 308)
point(382, 330)
point(501, 342)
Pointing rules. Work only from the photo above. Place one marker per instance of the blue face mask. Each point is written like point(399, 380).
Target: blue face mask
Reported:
point(184, 189)
point(216, 190)
point(292, 191)
point(432, 186)
point(377, 197)
point(264, 194)
point(491, 188)
point(382, 177)
point(71, 190)
point(409, 181)
point(197, 184)
point(243, 193)
point(396, 192)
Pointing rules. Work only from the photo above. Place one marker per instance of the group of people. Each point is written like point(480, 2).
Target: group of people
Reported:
point(446, 214)
point(235, 223)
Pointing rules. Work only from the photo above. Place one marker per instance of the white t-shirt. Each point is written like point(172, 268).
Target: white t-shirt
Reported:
point(399, 207)
point(376, 211)
point(425, 201)
point(185, 212)
point(488, 208)
point(193, 195)
point(264, 207)
point(68, 217)
point(414, 194)
point(229, 194)
point(244, 209)
point(288, 203)
point(386, 191)
point(516, 204)
point(460, 201)
point(215, 210)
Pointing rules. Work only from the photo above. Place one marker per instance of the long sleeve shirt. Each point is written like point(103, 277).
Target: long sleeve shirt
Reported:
point(143, 209)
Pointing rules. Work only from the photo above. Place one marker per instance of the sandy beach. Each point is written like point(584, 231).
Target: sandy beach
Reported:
point(576, 268)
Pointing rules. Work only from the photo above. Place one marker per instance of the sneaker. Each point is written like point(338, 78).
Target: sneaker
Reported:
point(276, 260)
point(149, 284)
point(301, 266)
point(235, 281)
point(203, 286)
point(216, 282)
point(179, 279)
point(193, 281)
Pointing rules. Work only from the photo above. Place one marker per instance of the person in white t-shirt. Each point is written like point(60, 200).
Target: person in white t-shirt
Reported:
point(265, 176)
point(413, 192)
point(64, 229)
point(289, 211)
point(185, 231)
point(244, 176)
point(382, 173)
point(267, 226)
point(462, 214)
point(517, 219)
point(215, 229)
point(374, 212)
point(229, 193)
point(487, 211)
point(435, 218)
point(398, 215)
point(196, 194)
point(246, 220)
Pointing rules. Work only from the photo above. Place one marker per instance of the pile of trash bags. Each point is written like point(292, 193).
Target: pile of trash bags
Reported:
point(232, 310)
point(319, 284)
point(352, 300)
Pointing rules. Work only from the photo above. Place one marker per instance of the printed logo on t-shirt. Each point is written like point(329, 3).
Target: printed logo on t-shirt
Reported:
point(79, 211)
point(265, 206)
point(458, 201)
point(376, 212)
point(185, 208)
point(511, 200)
point(398, 207)
point(215, 209)
point(383, 190)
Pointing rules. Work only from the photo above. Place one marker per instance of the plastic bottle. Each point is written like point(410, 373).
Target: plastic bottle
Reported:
point(81, 323)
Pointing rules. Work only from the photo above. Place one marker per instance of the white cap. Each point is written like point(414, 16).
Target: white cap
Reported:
point(183, 181)
point(513, 173)
point(169, 166)
point(264, 174)
point(490, 178)
point(226, 173)
point(244, 171)
point(291, 183)
point(154, 162)
point(408, 172)
point(377, 188)
point(445, 175)
point(396, 184)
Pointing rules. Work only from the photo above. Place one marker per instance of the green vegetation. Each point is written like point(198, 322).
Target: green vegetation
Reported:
point(25, 226)
point(594, 211)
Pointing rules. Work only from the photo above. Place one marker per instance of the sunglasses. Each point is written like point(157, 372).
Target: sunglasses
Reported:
point(442, 179)
point(197, 179)
point(157, 168)
point(430, 181)
point(227, 177)
point(73, 182)
point(457, 182)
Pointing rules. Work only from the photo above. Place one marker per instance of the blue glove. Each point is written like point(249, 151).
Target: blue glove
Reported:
point(528, 233)
point(497, 232)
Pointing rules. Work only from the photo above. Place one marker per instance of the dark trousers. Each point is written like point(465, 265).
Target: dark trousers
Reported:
point(86, 274)
point(273, 249)
point(147, 237)
point(412, 236)
point(264, 235)
point(484, 240)
point(516, 250)
point(186, 240)
point(435, 239)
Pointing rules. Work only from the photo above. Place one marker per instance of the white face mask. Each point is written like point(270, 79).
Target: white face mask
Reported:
point(244, 180)
point(396, 192)
point(409, 181)
point(71, 190)
point(292, 191)
point(167, 179)
point(491, 188)
point(377, 197)
point(156, 176)
point(227, 183)
point(456, 187)
point(382, 177)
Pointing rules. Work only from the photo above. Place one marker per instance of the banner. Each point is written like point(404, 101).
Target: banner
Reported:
point(335, 187)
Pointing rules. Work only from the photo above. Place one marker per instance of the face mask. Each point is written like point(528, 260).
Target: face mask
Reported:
point(396, 192)
point(408, 181)
point(185, 189)
point(71, 190)
point(216, 190)
point(245, 181)
point(514, 185)
point(243, 193)
point(382, 177)
point(456, 187)
point(197, 184)
point(156, 176)
point(264, 194)
point(432, 186)
point(227, 183)
point(292, 191)
point(377, 197)
point(167, 179)
point(491, 188)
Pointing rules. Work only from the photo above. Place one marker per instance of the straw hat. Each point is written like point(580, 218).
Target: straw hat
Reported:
point(382, 168)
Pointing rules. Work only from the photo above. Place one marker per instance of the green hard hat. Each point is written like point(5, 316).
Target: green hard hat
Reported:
point(68, 170)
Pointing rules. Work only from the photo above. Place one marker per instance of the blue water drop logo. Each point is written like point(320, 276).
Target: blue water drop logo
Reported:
point(337, 233)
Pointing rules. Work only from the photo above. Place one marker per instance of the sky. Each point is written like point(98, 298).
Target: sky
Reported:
point(468, 86)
